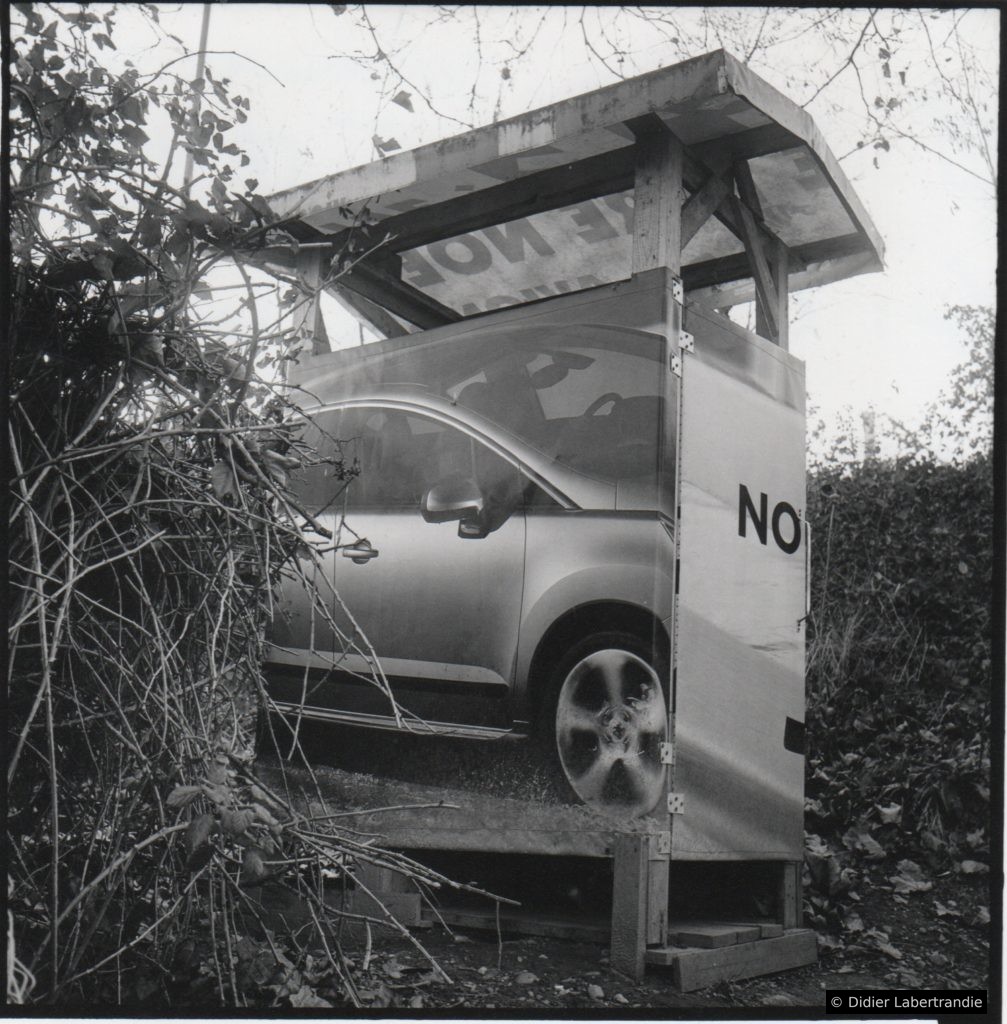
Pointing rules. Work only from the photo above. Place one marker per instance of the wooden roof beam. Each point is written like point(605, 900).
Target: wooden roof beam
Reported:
point(379, 286)
point(370, 312)
point(736, 267)
point(533, 193)
point(572, 183)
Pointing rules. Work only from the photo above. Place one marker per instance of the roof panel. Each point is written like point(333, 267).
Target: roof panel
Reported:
point(705, 101)
point(797, 201)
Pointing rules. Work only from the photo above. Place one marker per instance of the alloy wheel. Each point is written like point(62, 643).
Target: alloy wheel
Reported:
point(611, 718)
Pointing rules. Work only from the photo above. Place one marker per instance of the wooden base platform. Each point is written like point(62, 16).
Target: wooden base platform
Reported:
point(410, 816)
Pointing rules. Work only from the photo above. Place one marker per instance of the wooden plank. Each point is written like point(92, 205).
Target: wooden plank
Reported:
point(629, 904)
point(746, 145)
point(601, 175)
point(765, 287)
point(397, 297)
point(405, 907)
point(694, 969)
point(442, 818)
point(553, 926)
point(657, 197)
point(775, 326)
point(767, 929)
point(306, 317)
point(711, 935)
point(701, 205)
point(371, 312)
point(791, 895)
point(747, 190)
point(533, 193)
point(720, 283)
point(702, 968)
point(657, 897)
point(781, 277)
point(380, 879)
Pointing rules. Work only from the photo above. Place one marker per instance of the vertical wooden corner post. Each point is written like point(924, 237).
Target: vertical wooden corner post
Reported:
point(306, 317)
point(640, 865)
point(791, 896)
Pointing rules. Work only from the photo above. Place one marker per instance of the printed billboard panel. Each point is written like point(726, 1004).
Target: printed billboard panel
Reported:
point(504, 559)
point(550, 253)
point(739, 684)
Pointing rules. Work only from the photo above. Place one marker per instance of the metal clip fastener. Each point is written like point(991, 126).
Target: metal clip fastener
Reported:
point(676, 365)
point(686, 342)
point(677, 291)
point(676, 803)
point(667, 753)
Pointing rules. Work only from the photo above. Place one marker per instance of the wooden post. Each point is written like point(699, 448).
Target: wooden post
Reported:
point(657, 197)
point(770, 261)
point(791, 909)
point(640, 902)
point(307, 314)
point(658, 867)
point(630, 869)
point(781, 273)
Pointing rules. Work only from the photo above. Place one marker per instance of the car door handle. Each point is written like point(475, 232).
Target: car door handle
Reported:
point(361, 552)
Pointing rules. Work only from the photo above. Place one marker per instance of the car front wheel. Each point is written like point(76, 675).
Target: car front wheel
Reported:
point(610, 717)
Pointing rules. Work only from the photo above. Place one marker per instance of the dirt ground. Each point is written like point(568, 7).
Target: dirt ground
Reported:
point(936, 939)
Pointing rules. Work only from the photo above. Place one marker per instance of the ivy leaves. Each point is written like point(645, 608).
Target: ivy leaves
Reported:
point(238, 823)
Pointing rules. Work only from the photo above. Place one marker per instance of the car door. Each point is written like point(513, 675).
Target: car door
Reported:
point(438, 603)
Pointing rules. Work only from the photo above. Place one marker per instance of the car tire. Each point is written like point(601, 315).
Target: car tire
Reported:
point(605, 718)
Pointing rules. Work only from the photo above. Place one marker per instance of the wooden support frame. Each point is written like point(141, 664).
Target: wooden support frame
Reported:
point(307, 315)
point(698, 967)
point(791, 895)
point(374, 288)
point(568, 184)
point(630, 869)
point(379, 286)
point(702, 204)
point(657, 200)
point(765, 287)
point(364, 309)
point(768, 258)
point(712, 282)
point(780, 259)
point(382, 891)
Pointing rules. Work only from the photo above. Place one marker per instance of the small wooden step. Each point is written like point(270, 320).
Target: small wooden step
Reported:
point(694, 968)
point(767, 929)
point(711, 934)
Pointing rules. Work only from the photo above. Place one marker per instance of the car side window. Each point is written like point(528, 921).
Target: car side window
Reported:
point(403, 455)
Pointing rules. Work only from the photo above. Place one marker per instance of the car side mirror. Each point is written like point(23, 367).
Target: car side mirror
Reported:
point(454, 498)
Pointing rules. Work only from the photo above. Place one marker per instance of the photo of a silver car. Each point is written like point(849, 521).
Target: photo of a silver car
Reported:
point(509, 522)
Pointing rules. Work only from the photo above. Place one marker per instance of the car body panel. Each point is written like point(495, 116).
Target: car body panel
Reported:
point(579, 558)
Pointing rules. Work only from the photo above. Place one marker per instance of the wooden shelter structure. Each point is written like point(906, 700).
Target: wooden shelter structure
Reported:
point(662, 200)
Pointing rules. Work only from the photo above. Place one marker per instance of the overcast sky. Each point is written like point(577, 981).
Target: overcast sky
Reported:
point(876, 340)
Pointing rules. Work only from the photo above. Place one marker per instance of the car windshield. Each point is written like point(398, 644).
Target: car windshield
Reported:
point(590, 398)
